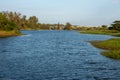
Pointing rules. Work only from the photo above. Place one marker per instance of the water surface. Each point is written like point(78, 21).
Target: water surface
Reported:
point(55, 55)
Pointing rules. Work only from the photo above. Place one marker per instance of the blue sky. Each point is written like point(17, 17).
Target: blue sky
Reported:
point(77, 12)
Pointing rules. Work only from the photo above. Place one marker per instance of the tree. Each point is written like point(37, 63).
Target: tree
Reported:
point(14, 17)
point(33, 22)
point(3, 21)
point(58, 26)
point(5, 24)
point(21, 21)
point(104, 26)
point(115, 25)
point(68, 26)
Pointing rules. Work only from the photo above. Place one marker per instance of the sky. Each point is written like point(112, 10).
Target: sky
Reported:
point(77, 12)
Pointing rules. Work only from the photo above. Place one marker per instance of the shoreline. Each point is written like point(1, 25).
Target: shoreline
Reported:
point(4, 34)
point(101, 32)
point(111, 46)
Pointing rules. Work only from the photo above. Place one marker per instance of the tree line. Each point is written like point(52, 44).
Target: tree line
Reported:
point(17, 21)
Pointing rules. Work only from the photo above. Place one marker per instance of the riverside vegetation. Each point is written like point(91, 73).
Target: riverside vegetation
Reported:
point(112, 45)
point(11, 23)
point(7, 27)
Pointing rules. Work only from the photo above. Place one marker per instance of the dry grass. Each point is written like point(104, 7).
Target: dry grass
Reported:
point(9, 33)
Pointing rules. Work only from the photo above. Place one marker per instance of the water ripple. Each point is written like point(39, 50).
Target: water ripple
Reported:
point(55, 55)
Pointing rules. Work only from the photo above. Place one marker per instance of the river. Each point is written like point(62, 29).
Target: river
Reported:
point(55, 55)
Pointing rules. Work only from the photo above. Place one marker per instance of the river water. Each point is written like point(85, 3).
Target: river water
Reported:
point(55, 55)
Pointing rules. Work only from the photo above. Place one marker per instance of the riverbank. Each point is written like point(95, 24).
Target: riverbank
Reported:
point(112, 45)
point(103, 32)
point(4, 34)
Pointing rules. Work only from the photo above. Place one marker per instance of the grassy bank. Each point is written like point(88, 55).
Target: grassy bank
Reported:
point(112, 45)
point(104, 32)
point(9, 33)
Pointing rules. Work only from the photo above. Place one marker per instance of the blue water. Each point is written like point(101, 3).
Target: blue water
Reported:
point(55, 55)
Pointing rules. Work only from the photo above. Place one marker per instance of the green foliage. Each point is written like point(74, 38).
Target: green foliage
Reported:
point(115, 25)
point(12, 26)
point(3, 21)
point(68, 26)
point(5, 24)
point(33, 22)
point(21, 21)
point(29, 23)
point(104, 26)
point(45, 26)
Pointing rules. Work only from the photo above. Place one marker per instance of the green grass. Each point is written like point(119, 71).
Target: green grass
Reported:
point(112, 45)
point(104, 32)
point(115, 54)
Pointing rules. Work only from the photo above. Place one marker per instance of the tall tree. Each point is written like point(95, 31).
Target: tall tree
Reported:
point(68, 26)
point(115, 25)
point(33, 21)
